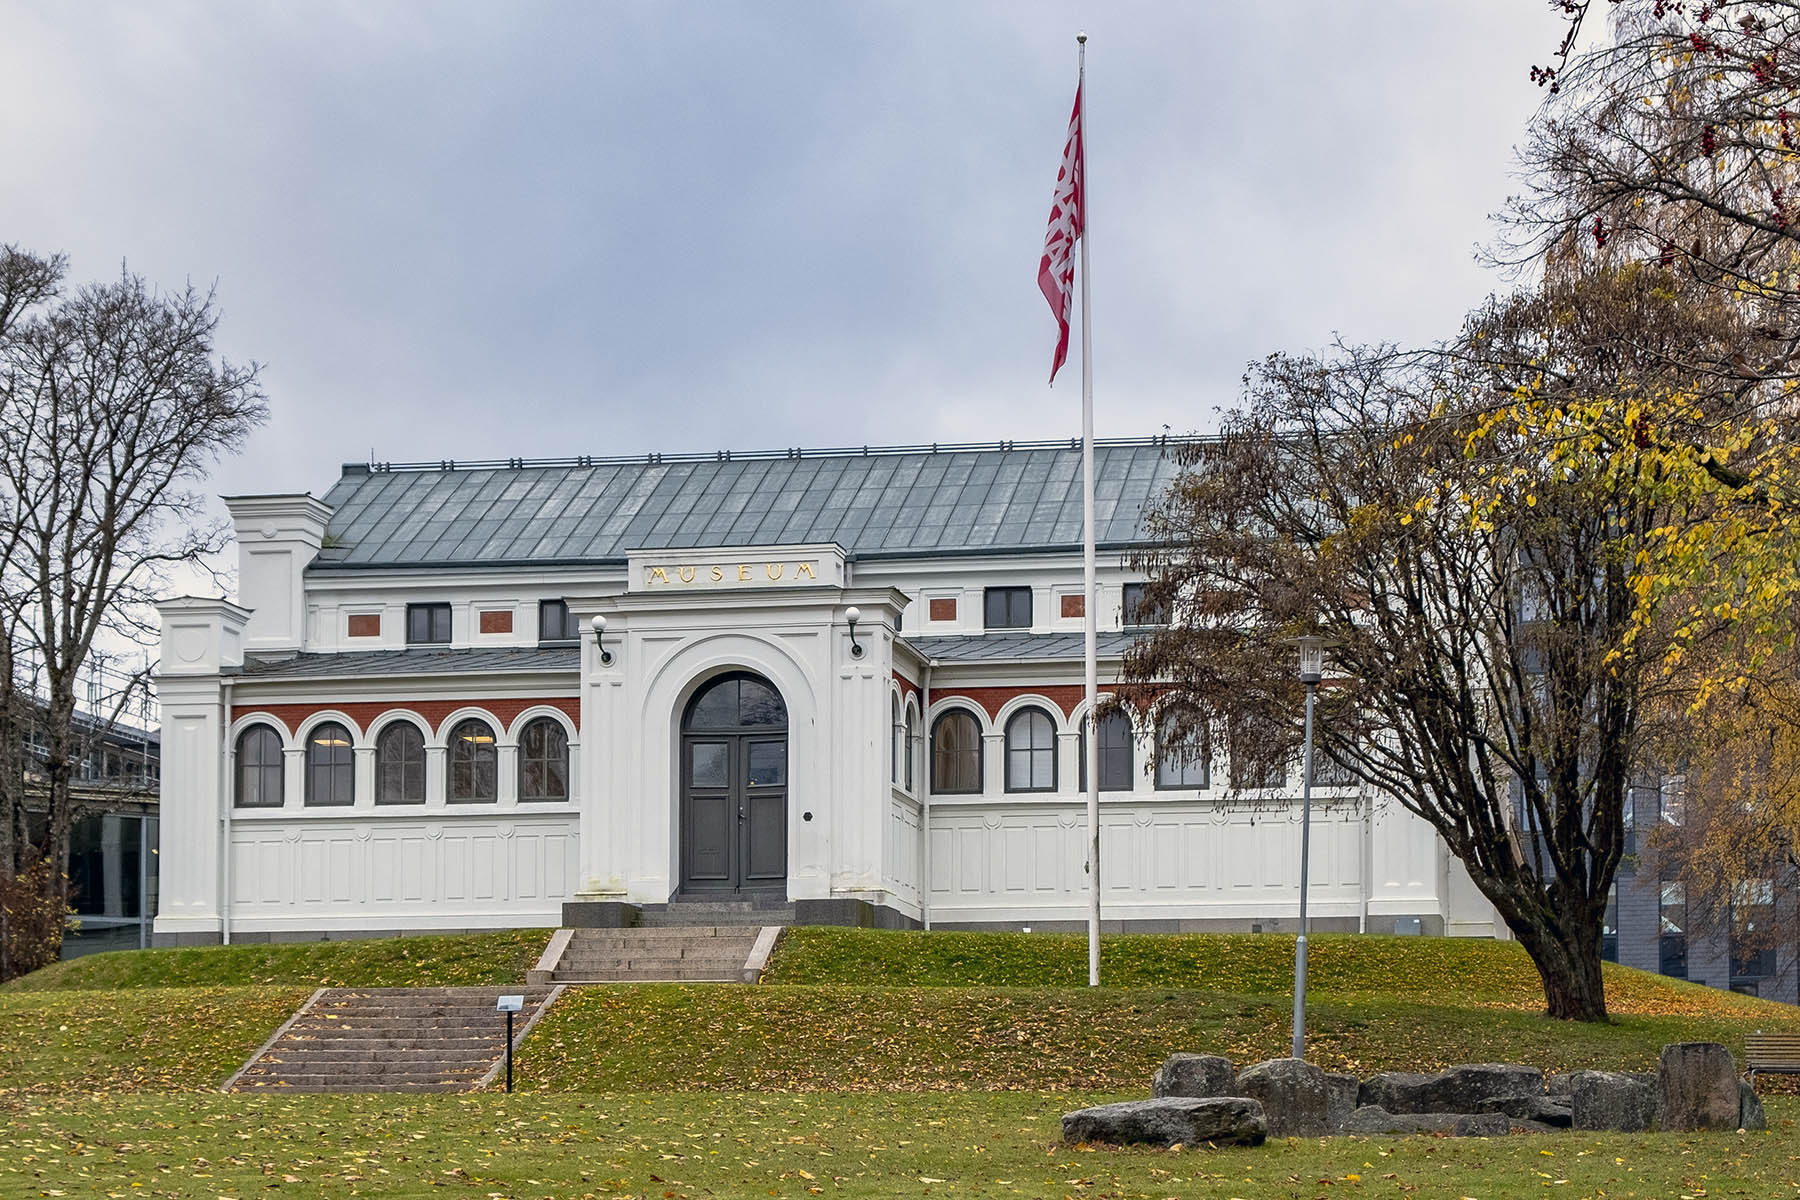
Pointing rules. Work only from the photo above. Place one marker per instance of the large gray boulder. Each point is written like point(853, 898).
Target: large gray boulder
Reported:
point(1460, 1089)
point(1750, 1109)
point(1170, 1121)
point(1612, 1100)
point(1550, 1112)
point(1373, 1119)
point(1340, 1099)
point(1698, 1087)
point(1195, 1075)
point(1557, 1084)
point(1292, 1094)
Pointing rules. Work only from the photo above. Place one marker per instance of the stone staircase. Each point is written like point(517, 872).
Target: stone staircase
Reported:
point(685, 913)
point(729, 953)
point(391, 1040)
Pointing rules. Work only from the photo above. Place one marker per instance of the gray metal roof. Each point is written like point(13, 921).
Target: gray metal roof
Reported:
point(1007, 497)
point(418, 661)
point(1017, 647)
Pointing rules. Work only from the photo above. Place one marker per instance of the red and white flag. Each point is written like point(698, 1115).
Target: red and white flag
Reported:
point(1056, 270)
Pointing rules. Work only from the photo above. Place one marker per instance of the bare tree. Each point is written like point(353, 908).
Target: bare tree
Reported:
point(1481, 563)
point(26, 282)
point(113, 404)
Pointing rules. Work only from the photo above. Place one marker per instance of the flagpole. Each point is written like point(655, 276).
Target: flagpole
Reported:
point(1090, 603)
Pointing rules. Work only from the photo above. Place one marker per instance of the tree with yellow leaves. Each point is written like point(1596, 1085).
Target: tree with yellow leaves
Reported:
point(1505, 540)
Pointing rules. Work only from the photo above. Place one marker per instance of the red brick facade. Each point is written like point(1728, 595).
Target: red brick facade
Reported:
point(992, 699)
point(943, 608)
point(365, 625)
point(366, 712)
point(499, 621)
point(1074, 606)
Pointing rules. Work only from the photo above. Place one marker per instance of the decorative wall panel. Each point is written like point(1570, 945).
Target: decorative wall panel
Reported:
point(437, 871)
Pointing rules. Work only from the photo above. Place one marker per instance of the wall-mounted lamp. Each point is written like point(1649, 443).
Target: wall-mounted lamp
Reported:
point(599, 624)
point(853, 615)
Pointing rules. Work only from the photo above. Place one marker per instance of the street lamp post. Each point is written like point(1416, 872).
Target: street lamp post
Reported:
point(1312, 664)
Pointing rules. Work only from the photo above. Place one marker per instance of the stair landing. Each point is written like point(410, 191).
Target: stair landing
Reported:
point(713, 953)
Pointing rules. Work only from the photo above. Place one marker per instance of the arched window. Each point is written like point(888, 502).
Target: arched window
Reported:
point(956, 753)
point(544, 761)
point(1181, 762)
point(1031, 752)
point(400, 765)
point(911, 740)
point(330, 767)
point(898, 757)
point(259, 768)
point(474, 763)
point(1116, 753)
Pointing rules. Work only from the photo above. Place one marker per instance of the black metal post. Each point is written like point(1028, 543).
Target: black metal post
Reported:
point(509, 1041)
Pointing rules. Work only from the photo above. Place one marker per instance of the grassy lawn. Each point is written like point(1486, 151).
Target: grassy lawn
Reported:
point(674, 1038)
point(1492, 974)
point(761, 1144)
point(873, 1064)
point(148, 1039)
point(452, 960)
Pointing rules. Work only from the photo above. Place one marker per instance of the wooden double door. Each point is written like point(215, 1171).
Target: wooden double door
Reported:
point(734, 788)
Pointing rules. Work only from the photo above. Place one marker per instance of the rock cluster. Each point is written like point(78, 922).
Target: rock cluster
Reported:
point(1203, 1099)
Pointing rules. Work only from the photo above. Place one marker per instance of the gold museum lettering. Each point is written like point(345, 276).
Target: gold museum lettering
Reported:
point(734, 573)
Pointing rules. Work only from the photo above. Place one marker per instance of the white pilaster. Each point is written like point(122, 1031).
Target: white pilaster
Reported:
point(201, 639)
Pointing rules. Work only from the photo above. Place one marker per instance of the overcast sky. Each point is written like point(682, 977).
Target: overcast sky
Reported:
point(484, 230)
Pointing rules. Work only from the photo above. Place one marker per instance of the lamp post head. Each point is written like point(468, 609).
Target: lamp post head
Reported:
point(1312, 658)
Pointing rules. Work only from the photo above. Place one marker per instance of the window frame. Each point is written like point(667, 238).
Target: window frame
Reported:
point(1669, 945)
point(1133, 616)
point(896, 737)
point(1026, 712)
point(429, 611)
point(276, 769)
point(565, 624)
point(1008, 596)
point(1129, 749)
point(1162, 762)
point(525, 759)
point(979, 750)
point(399, 728)
point(910, 714)
point(341, 773)
point(491, 755)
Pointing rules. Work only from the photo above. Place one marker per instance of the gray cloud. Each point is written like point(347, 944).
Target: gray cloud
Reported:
point(470, 231)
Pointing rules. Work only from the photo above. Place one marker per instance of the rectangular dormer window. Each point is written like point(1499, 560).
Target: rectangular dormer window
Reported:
point(554, 624)
point(1138, 610)
point(1008, 608)
point(427, 624)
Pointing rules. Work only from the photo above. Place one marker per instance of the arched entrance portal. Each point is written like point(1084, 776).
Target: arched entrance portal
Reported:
point(734, 787)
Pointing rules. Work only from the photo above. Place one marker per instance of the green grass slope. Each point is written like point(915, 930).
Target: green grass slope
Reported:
point(739, 1144)
point(147, 1040)
point(1460, 970)
point(451, 960)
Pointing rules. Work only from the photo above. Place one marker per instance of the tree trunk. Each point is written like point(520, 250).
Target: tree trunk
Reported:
point(1567, 958)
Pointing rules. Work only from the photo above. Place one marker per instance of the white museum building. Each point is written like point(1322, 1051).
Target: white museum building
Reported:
point(842, 683)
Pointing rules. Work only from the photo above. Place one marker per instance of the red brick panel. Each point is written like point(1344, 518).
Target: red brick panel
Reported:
point(907, 686)
point(1064, 695)
point(499, 621)
point(943, 608)
point(365, 625)
point(366, 712)
point(1074, 606)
